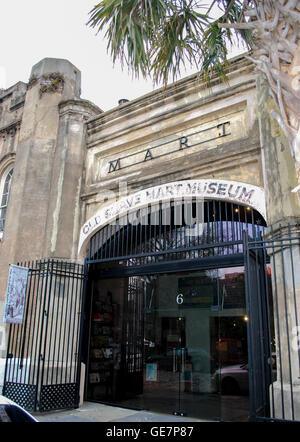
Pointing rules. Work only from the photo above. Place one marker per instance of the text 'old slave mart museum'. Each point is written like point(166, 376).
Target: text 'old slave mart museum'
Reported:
point(150, 254)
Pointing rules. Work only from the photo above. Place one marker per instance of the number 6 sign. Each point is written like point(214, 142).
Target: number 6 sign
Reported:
point(179, 298)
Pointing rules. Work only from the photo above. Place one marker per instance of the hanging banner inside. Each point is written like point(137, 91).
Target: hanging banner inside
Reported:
point(15, 295)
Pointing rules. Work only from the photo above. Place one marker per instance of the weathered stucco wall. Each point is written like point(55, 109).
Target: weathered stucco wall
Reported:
point(48, 156)
point(139, 141)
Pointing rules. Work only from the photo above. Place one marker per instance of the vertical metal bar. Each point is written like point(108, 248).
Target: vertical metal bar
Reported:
point(155, 224)
point(92, 246)
point(64, 318)
point(98, 244)
point(160, 226)
point(13, 328)
point(260, 306)
point(253, 225)
point(32, 321)
point(226, 218)
point(137, 226)
point(278, 324)
point(148, 229)
point(80, 324)
point(122, 235)
point(119, 235)
point(25, 322)
point(220, 223)
point(30, 328)
point(287, 326)
point(43, 330)
point(294, 295)
point(8, 358)
point(208, 225)
point(73, 273)
point(37, 321)
point(249, 331)
point(60, 312)
point(75, 332)
point(131, 238)
point(71, 315)
point(215, 229)
point(114, 239)
point(110, 240)
point(164, 220)
point(238, 227)
point(102, 242)
point(245, 220)
point(59, 297)
point(127, 239)
point(232, 227)
point(106, 242)
point(20, 332)
point(87, 271)
point(268, 319)
point(50, 335)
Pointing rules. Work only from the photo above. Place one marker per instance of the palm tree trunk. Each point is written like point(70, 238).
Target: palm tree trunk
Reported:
point(276, 53)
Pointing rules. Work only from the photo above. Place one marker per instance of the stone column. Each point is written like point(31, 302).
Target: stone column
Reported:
point(43, 214)
point(63, 221)
point(51, 82)
point(283, 219)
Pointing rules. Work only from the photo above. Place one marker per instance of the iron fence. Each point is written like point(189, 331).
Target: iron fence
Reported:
point(42, 365)
point(43, 356)
point(272, 291)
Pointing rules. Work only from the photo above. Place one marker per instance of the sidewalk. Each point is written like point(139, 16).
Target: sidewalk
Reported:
point(94, 412)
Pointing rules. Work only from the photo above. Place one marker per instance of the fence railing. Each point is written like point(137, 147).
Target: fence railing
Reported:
point(42, 365)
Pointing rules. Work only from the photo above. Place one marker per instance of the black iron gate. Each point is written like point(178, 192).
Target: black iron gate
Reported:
point(271, 265)
point(43, 365)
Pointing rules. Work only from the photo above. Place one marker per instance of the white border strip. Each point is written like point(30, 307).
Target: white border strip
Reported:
point(232, 191)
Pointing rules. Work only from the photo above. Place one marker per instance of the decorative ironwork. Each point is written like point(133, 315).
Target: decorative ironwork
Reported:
point(273, 327)
point(22, 394)
point(43, 352)
point(223, 230)
point(176, 231)
point(58, 396)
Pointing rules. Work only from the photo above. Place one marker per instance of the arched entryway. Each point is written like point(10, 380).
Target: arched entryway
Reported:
point(167, 320)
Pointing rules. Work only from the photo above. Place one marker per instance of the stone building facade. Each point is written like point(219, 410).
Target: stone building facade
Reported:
point(75, 169)
point(43, 136)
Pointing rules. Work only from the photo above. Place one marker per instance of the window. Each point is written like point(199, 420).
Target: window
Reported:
point(4, 196)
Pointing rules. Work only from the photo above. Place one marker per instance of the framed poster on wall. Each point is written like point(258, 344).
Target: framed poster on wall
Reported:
point(15, 294)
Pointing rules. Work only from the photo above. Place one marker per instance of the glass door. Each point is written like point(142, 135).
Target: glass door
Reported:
point(214, 369)
point(164, 332)
point(196, 359)
point(171, 343)
point(179, 362)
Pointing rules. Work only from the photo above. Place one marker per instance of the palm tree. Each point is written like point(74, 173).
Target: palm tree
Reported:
point(158, 38)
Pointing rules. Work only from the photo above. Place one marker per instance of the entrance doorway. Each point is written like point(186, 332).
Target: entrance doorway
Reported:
point(171, 343)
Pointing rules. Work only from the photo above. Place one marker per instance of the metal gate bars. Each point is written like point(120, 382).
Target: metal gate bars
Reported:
point(273, 296)
point(43, 355)
point(42, 366)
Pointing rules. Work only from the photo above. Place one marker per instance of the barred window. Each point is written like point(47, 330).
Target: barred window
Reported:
point(4, 196)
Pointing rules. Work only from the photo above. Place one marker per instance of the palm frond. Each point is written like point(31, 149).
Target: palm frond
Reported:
point(128, 25)
point(161, 37)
